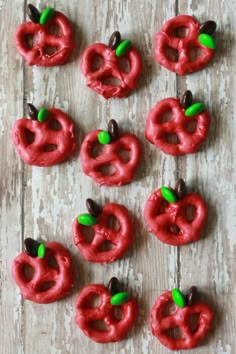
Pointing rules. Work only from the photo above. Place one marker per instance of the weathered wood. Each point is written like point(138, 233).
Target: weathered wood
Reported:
point(41, 202)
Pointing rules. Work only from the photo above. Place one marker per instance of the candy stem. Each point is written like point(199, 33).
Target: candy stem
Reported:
point(113, 129)
point(93, 208)
point(114, 40)
point(114, 286)
point(180, 188)
point(187, 99)
point(33, 13)
point(32, 111)
point(31, 246)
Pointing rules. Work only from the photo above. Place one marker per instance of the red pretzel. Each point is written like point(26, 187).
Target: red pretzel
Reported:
point(124, 171)
point(110, 68)
point(166, 39)
point(181, 318)
point(37, 55)
point(33, 289)
point(86, 315)
point(121, 239)
point(161, 215)
point(36, 152)
point(156, 131)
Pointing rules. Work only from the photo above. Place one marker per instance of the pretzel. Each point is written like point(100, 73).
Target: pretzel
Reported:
point(181, 318)
point(189, 142)
point(160, 216)
point(86, 315)
point(124, 171)
point(110, 68)
point(37, 54)
point(39, 152)
point(33, 289)
point(166, 38)
point(121, 238)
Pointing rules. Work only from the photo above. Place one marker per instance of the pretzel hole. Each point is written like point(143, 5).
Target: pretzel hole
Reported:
point(124, 154)
point(190, 212)
point(166, 116)
point(113, 222)
point(52, 262)
point(174, 229)
point(30, 136)
point(28, 272)
point(162, 207)
point(107, 170)
point(50, 50)
point(180, 32)
point(49, 148)
point(169, 309)
point(53, 28)
point(96, 149)
point(174, 332)
point(54, 124)
point(111, 81)
point(97, 62)
point(191, 126)
point(106, 246)
point(95, 300)
point(124, 64)
point(172, 54)
point(171, 138)
point(88, 233)
point(30, 40)
point(195, 53)
point(194, 321)
point(99, 325)
point(117, 313)
point(46, 286)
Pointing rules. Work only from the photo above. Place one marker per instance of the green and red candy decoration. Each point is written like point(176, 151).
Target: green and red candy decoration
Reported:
point(90, 218)
point(41, 115)
point(121, 47)
point(43, 18)
point(118, 297)
point(34, 248)
point(106, 137)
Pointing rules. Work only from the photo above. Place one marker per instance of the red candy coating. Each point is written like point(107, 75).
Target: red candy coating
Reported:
point(33, 289)
point(121, 239)
point(37, 55)
point(86, 315)
point(181, 318)
point(124, 171)
point(110, 68)
point(156, 131)
point(50, 146)
point(166, 38)
point(161, 215)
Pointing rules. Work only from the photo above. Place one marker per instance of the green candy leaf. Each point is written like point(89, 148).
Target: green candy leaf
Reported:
point(168, 194)
point(41, 250)
point(43, 115)
point(46, 15)
point(87, 219)
point(207, 40)
point(119, 298)
point(104, 137)
point(178, 298)
point(123, 48)
point(194, 109)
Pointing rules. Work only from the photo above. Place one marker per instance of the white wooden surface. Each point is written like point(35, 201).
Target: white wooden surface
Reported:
point(41, 202)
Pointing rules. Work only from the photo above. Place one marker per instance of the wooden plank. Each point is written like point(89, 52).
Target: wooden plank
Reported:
point(11, 183)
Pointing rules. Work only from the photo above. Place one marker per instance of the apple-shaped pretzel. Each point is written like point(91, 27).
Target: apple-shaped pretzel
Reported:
point(193, 330)
point(95, 79)
point(183, 115)
point(111, 298)
point(98, 219)
point(49, 49)
point(114, 143)
point(52, 276)
point(198, 37)
point(175, 217)
point(46, 139)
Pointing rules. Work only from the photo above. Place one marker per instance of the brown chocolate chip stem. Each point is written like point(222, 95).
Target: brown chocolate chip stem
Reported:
point(31, 246)
point(191, 295)
point(93, 208)
point(114, 286)
point(187, 99)
point(180, 188)
point(114, 40)
point(113, 129)
point(32, 111)
point(208, 27)
point(33, 13)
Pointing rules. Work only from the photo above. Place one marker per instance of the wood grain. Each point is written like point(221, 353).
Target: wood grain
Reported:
point(41, 202)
